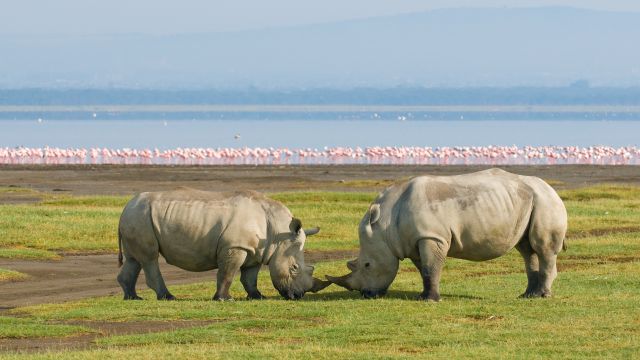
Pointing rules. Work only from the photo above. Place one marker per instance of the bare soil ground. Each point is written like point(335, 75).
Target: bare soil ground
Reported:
point(80, 276)
point(76, 277)
point(124, 180)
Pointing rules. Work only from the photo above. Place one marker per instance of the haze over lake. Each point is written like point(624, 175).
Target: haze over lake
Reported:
point(314, 133)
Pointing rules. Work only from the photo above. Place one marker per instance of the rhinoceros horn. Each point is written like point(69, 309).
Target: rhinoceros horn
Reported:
point(319, 285)
point(341, 280)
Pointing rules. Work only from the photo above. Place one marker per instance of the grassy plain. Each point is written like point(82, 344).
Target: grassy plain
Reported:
point(594, 312)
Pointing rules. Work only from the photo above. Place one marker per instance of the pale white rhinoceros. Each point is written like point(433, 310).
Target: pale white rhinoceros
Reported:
point(477, 216)
point(198, 231)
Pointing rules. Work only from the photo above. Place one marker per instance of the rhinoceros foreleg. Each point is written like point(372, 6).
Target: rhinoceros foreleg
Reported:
point(432, 255)
point(249, 279)
point(155, 281)
point(229, 262)
point(128, 277)
point(531, 266)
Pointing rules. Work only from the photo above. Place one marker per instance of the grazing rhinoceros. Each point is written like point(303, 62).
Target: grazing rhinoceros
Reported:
point(198, 231)
point(478, 216)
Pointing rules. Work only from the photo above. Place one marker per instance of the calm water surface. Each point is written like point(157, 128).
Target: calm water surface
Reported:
point(313, 133)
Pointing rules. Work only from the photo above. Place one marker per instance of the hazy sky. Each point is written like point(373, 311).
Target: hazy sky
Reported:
point(170, 16)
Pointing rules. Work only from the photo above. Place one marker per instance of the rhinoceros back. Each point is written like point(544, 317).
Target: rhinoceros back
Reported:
point(192, 227)
point(481, 215)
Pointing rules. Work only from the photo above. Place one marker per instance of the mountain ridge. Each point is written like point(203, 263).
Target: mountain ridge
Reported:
point(541, 46)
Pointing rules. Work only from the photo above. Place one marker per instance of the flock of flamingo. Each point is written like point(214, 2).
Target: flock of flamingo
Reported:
point(462, 155)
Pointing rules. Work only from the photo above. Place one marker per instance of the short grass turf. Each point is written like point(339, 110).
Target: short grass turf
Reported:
point(89, 224)
point(18, 328)
point(594, 312)
point(10, 275)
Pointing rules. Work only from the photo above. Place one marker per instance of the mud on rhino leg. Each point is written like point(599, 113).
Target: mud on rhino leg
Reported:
point(229, 262)
point(531, 266)
point(155, 280)
point(249, 279)
point(432, 255)
point(128, 277)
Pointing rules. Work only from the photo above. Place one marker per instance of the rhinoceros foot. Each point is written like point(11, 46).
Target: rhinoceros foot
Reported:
point(167, 297)
point(132, 297)
point(536, 294)
point(256, 296)
point(429, 297)
point(217, 297)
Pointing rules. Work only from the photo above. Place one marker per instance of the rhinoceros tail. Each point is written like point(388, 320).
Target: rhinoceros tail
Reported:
point(119, 248)
point(564, 244)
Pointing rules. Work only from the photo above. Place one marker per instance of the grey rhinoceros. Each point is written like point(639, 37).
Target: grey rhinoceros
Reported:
point(477, 216)
point(198, 231)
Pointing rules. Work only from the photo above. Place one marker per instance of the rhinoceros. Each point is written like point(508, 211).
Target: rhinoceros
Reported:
point(478, 216)
point(199, 231)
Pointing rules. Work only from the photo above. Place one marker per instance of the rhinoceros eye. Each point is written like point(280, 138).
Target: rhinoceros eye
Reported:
point(366, 265)
point(294, 268)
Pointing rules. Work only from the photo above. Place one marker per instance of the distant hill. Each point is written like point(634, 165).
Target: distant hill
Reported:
point(453, 47)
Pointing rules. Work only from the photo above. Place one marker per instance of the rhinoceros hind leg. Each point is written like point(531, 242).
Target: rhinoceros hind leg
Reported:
point(229, 262)
point(547, 274)
point(249, 279)
point(531, 266)
point(432, 255)
point(128, 277)
point(155, 280)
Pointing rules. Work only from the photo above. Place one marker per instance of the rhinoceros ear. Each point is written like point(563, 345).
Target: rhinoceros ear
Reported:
point(374, 213)
point(295, 225)
point(352, 264)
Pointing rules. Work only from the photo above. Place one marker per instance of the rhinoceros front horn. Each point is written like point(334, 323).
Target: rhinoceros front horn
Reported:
point(340, 280)
point(319, 285)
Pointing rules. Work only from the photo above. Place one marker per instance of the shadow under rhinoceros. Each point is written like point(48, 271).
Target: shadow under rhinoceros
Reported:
point(392, 294)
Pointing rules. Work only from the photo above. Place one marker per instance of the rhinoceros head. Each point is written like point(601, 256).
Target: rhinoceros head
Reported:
point(376, 266)
point(289, 273)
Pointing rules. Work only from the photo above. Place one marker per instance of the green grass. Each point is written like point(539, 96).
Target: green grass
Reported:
point(602, 209)
point(594, 312)
point(16, 328)
point(89, 223)
point(11, 275)
point(337, 214)
point(21, 252)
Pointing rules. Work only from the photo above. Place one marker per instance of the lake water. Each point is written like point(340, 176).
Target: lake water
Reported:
point(314, 133)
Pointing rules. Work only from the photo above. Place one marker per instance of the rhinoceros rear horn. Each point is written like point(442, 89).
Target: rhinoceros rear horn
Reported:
point(312, 231)
point(352, 264)
point(341, 280)
point(319, 285)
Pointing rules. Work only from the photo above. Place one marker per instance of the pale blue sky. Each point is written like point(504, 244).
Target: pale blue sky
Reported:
point(186, 16)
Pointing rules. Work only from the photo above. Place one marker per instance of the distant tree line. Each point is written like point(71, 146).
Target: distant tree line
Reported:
point(572, 95)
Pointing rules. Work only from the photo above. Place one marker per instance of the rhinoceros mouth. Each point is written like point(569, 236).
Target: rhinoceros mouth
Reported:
point(291, 295)
point(372, 294)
